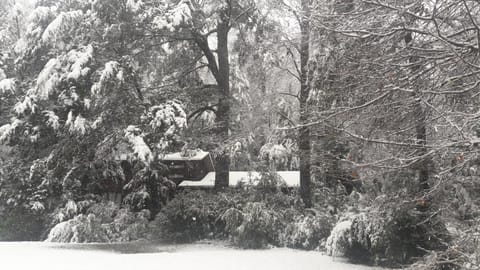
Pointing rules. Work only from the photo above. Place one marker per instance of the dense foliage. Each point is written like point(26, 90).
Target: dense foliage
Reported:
point(374, 102)
point(100, 222)
point(252, 216)
point(387, 235)
point(249, 219)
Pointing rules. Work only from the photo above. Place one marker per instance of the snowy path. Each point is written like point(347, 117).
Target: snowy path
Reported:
point(38, 256)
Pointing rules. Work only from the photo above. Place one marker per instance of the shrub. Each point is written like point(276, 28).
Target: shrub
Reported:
point(21, 225)
point(388, 234)
point(81, 229)
point(128, 226)
point(339, 239)
point(191, 216)
point(253, 227)
point(252, 219)
point(25, 194)
point(307, 231)
point(101, 222)
point(356, 238)
point(462, 253)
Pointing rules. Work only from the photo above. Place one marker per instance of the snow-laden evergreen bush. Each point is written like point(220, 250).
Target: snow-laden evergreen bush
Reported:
point(80, 229)
point(387, 233)
point(255, 226)
point(245, 216)
point(355, 235)
point(462, 253)
point(339, 238)
point(307, 231)
point(25, 193)
point(101, 222)
point(192, 216)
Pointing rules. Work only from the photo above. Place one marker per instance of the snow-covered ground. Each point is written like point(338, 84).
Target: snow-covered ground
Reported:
point(37, 256)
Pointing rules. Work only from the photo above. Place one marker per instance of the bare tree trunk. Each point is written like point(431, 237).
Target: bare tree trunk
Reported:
point(223, 113)
point(304, 139)
point(420, 126)
point(421, 136)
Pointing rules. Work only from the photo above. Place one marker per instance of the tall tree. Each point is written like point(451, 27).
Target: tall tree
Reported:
point(80, 105)
point(219, 67)
point(304, 136)
point(296, 18)
point(208, 24)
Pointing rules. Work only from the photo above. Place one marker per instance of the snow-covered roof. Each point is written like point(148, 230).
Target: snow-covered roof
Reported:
point(199, 155)
point(291, 178)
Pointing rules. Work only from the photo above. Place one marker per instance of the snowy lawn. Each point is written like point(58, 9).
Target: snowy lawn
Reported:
point(131, 256)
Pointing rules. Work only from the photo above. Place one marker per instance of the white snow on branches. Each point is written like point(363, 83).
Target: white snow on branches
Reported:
point(7, 86)
point(140, 148)
point(97, 122)
point(111, 68)
point(208, 117)
point(134, 5)
point(87, 103)
point(181, 13)
point(61, 25)
point(17, 10)
point(7, 130)
point(76, 124)
point(39, 16)
point(38, 19)
point(28, 104)
point(48, 79)
point(161, 23)
point(37, 206)
point(2, 74)
point(169, 116)
point(178, 15)
point(52, 119)
point(109, 72)
point(80, 60)
point(338, 237)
